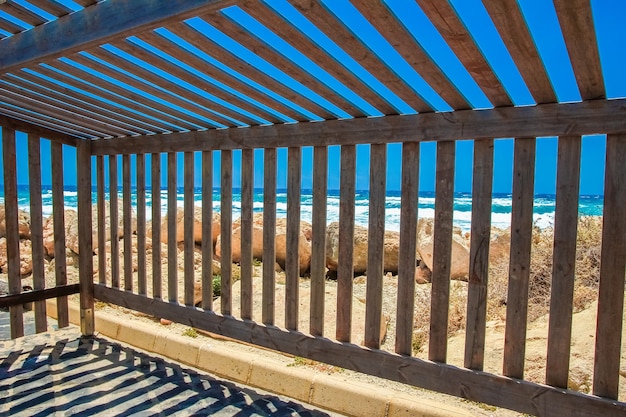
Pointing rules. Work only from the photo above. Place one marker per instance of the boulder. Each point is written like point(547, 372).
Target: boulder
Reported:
point(23, 219)
point(391, 248)
point(26, 263)
point(197, 226)
point(459, 262)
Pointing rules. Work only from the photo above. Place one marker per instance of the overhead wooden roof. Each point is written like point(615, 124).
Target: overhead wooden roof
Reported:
point(121, 68)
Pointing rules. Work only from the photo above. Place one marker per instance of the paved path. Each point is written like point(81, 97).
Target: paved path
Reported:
point(62, 374)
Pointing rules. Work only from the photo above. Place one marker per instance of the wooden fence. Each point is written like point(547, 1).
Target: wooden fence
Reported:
point(158, 294)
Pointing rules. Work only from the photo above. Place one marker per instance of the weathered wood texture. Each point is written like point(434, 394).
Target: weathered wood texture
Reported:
point(442, 246)
point(226, 203)
point(292, 262)
point(269, 238)
point(318, 240)
point(524, 396)
point(155, 161)
point(189, 244)
point(85, 244)
point(479, 255)
point(611, 294)
point(58, 213)
point(519, 264)
point(408, 248)
point(207, 230)
point(247, 186)
point(12, 229)
point(36, 228)
point(102, 227)
point(564, 261)
point(172, 214)
point(114, 222)
point(142, 286)
point(126, 223)
point(587, 117)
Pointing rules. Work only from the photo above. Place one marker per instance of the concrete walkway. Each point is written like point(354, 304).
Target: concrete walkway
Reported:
point(62, 374)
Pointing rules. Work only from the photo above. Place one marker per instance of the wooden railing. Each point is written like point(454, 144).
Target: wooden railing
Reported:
point(160, 295)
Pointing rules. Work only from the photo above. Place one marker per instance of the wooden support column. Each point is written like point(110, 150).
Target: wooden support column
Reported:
point(126, 224)
point(36, 228)
point(172, 209)
point(85, 245)
point(292, 261)
point(101, 204)
point(114, 222)
point(141, 224)
point(247, 185)
point(12, 229)
point(58, 213)
point(207, 230)
point(318, 240)
point(479, 255)
point(189, 244)
point(269, 235)
point(157, 283)
point(226, 198)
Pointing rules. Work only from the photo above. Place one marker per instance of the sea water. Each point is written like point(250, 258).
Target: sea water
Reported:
point(543, 206)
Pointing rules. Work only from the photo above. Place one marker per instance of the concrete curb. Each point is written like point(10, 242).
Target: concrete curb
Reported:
point(326, 391)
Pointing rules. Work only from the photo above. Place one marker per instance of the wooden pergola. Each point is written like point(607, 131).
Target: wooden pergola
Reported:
point(146, 77)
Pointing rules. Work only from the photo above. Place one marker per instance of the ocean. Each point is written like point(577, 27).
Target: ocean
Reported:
point(543, 210)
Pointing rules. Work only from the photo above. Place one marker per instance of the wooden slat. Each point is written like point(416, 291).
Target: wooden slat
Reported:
point(114, 219)
point(217, 73)
point(588, 117)
point(58, 214)
point(318, 15)
point(318, 240)
point(24, 117)
point(95, 26)
point(442, 250)
point(269, 236)
point(126, 225)
point(22, 13)
point(345, 249)
point(412, 52)
point(102, 227)
point(479, 254)
point(85, 236)
point(301, 42)
point(36, 228)
point(155, 161)
point(375, 245)
point(9, 26)
point(453, 31)
point(16, 124)
point(215, 50)
point(510, 23)
point(38, 296)
point(142, 286)
point(12, 229)
point(53, 7)
point(564, 260)
point(292, 261)
point(606, 373)
point(226, 226)
point(519, 265)
point(245, 262)
point(408, 248)
point(522, 396)
point(189, 244)
point(172, 217)
point(576, 18)
point(207, 230)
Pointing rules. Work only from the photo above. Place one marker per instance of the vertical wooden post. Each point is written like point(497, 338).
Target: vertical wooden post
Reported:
point(141, 224)
point(345, 250)
point(479, 254)
point(407, 251)
point(318, 240)
point(172, 214)
point(189, 273)
point(442, 247)
point(611, 293)
point(12, 229)
point(375, 246)
point(247, 185)
point(113, 216)
point(292, 261)
point(157, 284)
point(269, 235)
point(58, 213)
point(101, 204)
point(36, 228)
point(126, 225)
point(519, 266)
point(564, 261)
point(207, 230)
point(85, 249)
point(226, 197)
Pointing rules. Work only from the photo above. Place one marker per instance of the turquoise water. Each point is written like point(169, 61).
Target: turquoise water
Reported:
point(544, 205)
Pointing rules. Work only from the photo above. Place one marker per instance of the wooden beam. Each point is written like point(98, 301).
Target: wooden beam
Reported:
point(207, 230)
point(318, 239)
point(584, 118)
point(38, 295)
point(43, 132)
point(269, 235)
point(292, 262)
point(94, 26)
point(522, 396)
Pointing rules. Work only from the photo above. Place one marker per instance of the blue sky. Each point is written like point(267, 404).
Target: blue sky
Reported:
point(541, 18)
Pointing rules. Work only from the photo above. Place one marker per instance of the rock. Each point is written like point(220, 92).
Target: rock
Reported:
point(23, 220)
point(391, 248)
point(423, 275)
point(459, 262)
point(26, 263)
point(197, 226)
